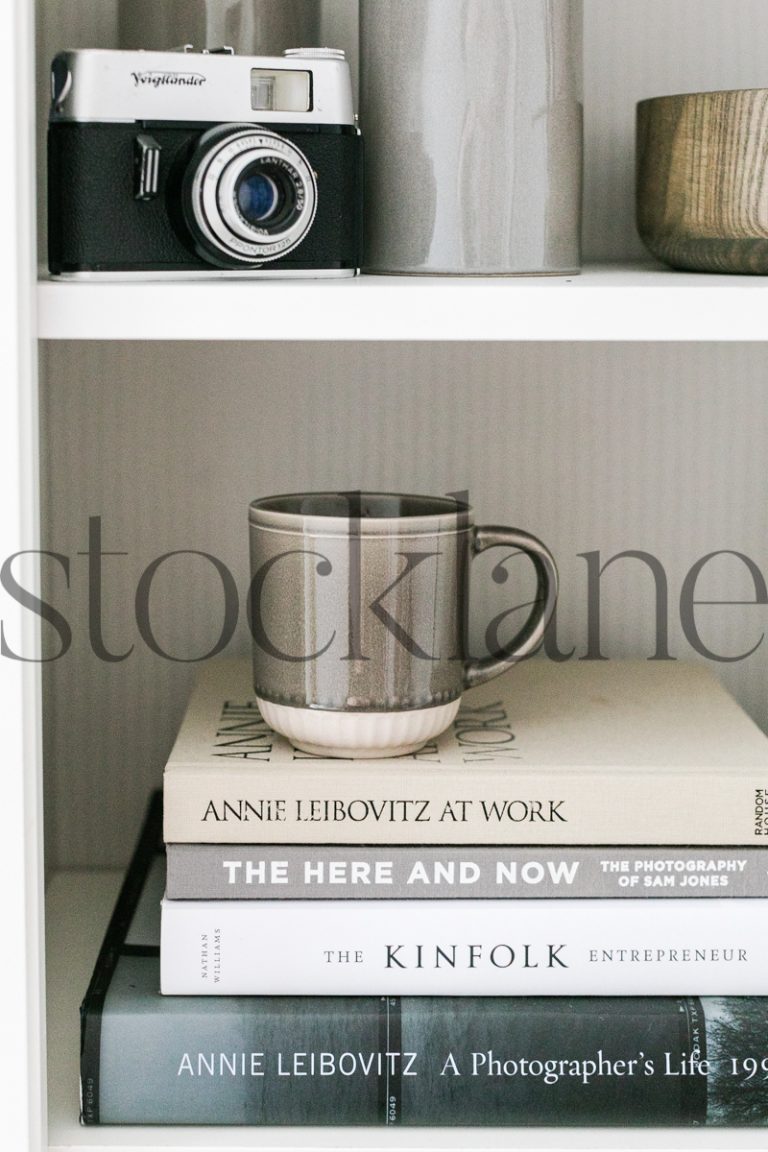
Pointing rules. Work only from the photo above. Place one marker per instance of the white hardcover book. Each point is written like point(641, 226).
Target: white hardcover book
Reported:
point(582, 753)
point(472, 948)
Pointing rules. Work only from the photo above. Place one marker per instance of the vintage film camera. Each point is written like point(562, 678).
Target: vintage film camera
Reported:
point(187, 163)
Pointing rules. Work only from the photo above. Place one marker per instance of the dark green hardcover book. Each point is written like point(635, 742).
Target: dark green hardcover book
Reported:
point(430, 1061)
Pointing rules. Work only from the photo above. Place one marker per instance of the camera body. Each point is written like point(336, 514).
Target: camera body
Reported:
point(190, 164)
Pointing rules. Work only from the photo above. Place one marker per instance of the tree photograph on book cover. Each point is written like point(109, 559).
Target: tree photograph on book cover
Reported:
point(738, 1084)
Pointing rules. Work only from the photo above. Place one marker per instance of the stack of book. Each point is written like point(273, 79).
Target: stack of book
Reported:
point(513, 926)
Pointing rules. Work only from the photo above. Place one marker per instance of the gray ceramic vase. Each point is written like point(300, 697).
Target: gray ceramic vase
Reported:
point(472, 114)
point(251, 27)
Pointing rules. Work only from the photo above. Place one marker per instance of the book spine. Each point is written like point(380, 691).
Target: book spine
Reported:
point(304, 872)
point(470, 1061)
point(108, 959)
point(481, 947)
point(495, 806)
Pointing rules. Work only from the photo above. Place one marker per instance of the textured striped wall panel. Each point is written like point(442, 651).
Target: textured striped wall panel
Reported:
point(655, 448)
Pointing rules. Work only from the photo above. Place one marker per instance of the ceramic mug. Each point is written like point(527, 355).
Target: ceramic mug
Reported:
point(358, 608)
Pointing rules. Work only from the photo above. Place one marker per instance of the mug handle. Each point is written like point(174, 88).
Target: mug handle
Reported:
point(531, 634)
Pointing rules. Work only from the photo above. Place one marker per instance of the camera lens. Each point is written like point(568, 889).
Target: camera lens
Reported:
point(266, 196)
point(257, 197)
point(249, 196)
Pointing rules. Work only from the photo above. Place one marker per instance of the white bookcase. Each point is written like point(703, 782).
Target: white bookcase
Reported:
point(626, 409)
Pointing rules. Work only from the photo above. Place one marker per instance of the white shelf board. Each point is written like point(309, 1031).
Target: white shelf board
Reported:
point(606, 302)
point(78, 908)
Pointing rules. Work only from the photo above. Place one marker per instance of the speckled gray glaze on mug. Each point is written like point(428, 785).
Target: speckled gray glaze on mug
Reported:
point(359, 601)
point(472, 115)
point(251, 27)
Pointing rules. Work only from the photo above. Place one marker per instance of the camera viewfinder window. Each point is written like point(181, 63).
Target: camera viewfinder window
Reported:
point(281, 91)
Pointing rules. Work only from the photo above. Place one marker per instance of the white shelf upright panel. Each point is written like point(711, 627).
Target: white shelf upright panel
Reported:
point(21, 956)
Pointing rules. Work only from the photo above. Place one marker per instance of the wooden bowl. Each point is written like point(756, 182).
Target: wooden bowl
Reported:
point(702, 180)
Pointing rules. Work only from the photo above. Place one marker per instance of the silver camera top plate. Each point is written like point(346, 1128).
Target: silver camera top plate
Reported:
point(312, 86)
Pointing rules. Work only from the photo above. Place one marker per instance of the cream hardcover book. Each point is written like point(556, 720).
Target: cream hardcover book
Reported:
point(614, 752)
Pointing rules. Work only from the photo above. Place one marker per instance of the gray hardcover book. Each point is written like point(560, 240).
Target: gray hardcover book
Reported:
point(346, 872)
point(464, 1061)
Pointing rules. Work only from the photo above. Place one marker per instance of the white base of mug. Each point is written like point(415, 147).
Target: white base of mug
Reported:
point(358, 735)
